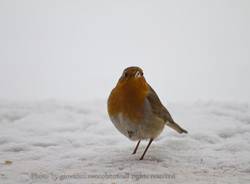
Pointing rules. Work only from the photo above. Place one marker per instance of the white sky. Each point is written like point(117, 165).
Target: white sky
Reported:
point(76, 49)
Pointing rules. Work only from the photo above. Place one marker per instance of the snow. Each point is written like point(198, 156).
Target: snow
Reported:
point(66, 142)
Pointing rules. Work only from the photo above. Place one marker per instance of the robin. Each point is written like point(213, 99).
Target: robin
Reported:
point(136, 110)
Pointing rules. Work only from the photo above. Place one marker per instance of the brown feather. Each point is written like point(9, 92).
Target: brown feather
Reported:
point(128, 98)
point(161, 111)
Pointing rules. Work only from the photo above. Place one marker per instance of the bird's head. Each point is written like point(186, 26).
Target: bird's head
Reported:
point(132, 73)
point(133, 81)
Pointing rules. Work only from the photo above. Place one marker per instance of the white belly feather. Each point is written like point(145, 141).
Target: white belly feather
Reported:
point(147, 129)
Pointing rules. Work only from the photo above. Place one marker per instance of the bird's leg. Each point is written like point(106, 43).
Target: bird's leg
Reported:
point(137, 145)
point(150, 141)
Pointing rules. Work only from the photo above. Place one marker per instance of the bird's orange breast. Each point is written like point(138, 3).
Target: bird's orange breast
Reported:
point(128, 98)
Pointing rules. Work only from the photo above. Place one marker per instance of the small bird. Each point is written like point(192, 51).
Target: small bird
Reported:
point(136, 110)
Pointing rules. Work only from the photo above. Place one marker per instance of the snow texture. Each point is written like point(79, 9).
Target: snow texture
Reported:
point(56, 142)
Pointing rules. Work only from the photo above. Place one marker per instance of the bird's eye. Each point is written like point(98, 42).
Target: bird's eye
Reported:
point(125, 74)
point(138, 74)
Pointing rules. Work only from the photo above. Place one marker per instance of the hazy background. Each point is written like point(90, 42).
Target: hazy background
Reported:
point(76, 49)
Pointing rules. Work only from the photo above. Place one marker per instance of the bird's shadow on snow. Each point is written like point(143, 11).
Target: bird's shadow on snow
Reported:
point(123, 159)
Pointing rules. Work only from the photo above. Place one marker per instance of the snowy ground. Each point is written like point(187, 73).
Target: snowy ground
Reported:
point(55, 142)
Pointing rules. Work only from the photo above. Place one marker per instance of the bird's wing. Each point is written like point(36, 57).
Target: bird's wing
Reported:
point(157, 107)
point(161, 112)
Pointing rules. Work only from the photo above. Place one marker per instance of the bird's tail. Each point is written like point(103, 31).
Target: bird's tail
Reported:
point(176, 127)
